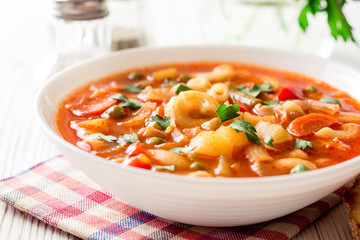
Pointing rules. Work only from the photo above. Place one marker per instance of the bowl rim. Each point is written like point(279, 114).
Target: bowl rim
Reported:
point(176, 177)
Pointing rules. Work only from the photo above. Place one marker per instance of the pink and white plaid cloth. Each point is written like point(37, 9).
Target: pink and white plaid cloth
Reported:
point(60, 195)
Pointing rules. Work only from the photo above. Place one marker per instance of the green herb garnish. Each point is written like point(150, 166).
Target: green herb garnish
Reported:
point(256, 89)
point(134, 88)
point(168, 81)
point(131, 138)
point(179, 150)
point(104, 137)
point(131, 103)
point(227, 112)
point(336, 19)
point(271, 104)
point(136, 76)
point(269, 141)
point(330, 100)
point(248, 129)
point(182, 88)
point(299, 169)
point(163, 122)
point(302, 144)
point(170, 168)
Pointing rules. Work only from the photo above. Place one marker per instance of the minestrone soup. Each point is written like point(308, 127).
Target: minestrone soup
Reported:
point(211, 119)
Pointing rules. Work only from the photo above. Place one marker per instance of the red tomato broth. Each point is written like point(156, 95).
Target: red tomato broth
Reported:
point(239, 165)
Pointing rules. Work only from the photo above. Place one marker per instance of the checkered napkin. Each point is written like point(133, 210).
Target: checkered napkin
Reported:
point(60, 195)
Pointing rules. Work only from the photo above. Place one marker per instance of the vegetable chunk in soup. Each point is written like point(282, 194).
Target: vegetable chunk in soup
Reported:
point(211, 119)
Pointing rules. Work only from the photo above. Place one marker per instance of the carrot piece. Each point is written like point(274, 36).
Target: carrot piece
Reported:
point(147, 108)
point(310, 123)
point(160, 111)
point(140, 161)
point(95, 106)
point(135, 149)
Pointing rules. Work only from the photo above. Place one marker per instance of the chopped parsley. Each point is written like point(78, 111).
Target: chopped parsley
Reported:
point(131, 103)
point(163, 122)
point(302, 144)
point(336, 19)
point(227, 112)
point(120, 97)
point(134, 88)
point(270, 104)
point(256, 89)
point(179, 150)
point(182, 88)
point(330, 100)
point(130, 138)
point(248, 129)
point(269, 141)
point(168, 81)
point(299, 169)
point(108, 138)
point(170, 168)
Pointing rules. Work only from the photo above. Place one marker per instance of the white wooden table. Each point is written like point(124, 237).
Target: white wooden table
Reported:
point(22, 142)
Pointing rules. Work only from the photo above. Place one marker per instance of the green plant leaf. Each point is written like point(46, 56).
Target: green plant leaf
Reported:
point(302, 144)
point(269, 141)
point(227, 112)
point(179, 150)
point(131, 103)
point(256, 89)
point(330, 100)
point(271, 104)
point(170, 168)
point(299, 169)
point(182, 88)
point(133, 88)
point(168, 81)
point(163, 122)
point(248, 129)
point(104, 137)
point(130, 138)
point(337, 21)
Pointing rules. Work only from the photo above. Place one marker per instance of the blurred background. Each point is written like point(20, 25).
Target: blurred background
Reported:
point(48, 35)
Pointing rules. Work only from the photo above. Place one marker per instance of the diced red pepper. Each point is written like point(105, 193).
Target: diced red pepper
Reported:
point(140, 161)
point(135, 149)
point(243, 106)
point(288, 92)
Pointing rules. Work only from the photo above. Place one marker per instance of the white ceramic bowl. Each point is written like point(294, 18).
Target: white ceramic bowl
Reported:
point(202, 201)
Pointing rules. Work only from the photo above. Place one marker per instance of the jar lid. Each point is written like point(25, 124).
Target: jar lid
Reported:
point(79, 9)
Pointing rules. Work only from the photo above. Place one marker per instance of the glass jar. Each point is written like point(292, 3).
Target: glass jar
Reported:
point(78, 30)
point(125, 25)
